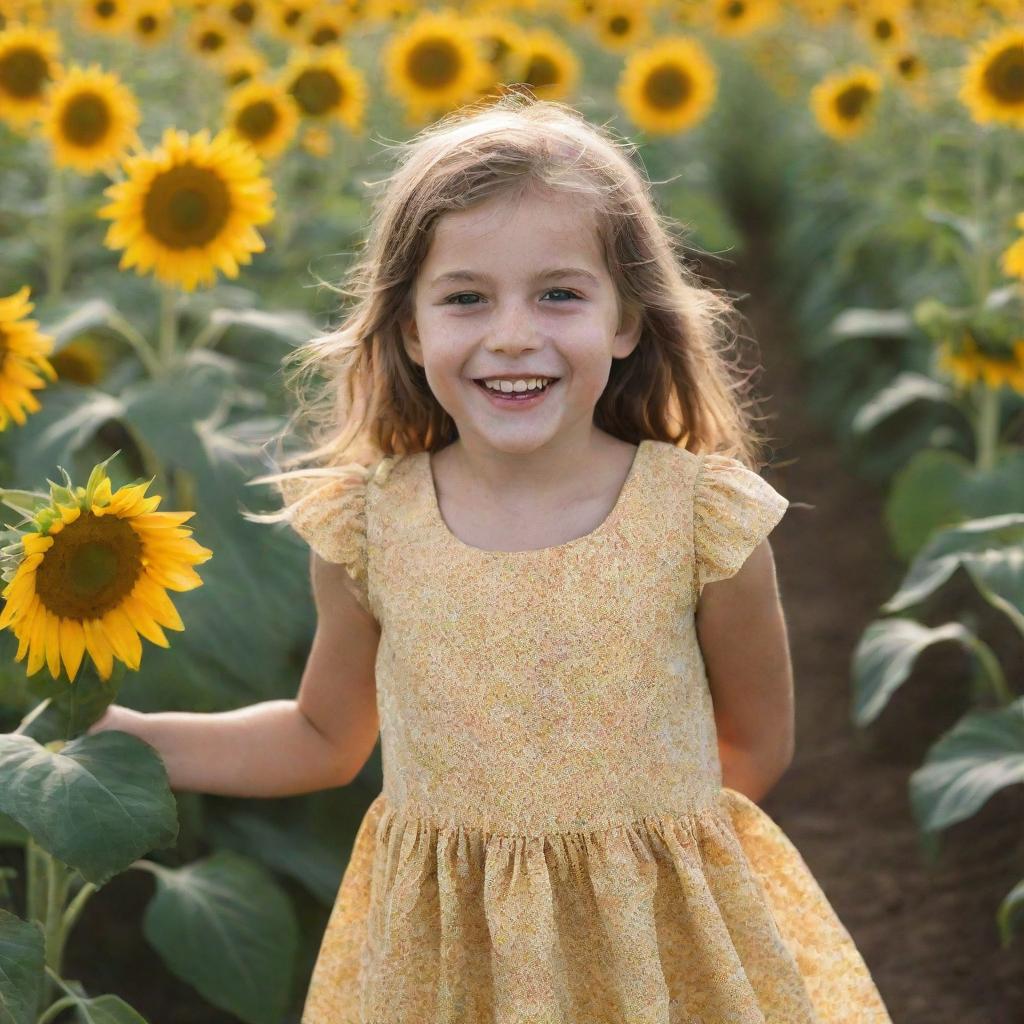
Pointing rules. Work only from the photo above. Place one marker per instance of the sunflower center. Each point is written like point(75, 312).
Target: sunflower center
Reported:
point(211, 40)
point(146, 24)
point(907, 65)
point(324, 36)
point(86, 119)
point(91, 567)
point(541, 71)
point(851, 102)
point(619, 25)
point(667, 86)
point(292, 16)
point(23, 72)
point(495, 49)
point(735, 10)
point(105, 8)
point(1004, 76)
point(243, 12)
point(316, 91)
point(257, 120)
point(186, 206)
point(883, 29)
point(434, 63)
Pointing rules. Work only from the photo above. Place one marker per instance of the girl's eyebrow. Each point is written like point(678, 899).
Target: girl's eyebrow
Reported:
point(468, 275)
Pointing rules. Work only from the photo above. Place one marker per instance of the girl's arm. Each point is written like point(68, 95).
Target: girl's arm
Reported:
point(742, 632)
point(280, 747)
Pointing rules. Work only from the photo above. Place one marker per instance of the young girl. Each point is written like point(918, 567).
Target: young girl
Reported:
point(542, 574)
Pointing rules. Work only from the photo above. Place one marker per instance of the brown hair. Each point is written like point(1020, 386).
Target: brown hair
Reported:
point(675, 386)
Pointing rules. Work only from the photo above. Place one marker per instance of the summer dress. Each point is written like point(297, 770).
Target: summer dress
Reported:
point(552, 844)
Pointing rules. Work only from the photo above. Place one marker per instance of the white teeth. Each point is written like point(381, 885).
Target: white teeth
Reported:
point(531, 384)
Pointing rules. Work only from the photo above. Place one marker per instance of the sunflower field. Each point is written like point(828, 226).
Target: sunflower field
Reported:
point(182, 182)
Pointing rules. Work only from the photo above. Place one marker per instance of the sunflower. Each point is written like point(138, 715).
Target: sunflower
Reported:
point(819, 13)
point(993, 82)
point(28, 63)
point(107, 16)
point(264, 115)
point(325, 27)
point(843, 102)
point(22, 351)
point(151, 21)
point(433, 63)
point(733, 18)
point(324, 84)
point(316, 140)
point(286, 19)
point(1013, 257)
point(907, 66)
point(552, 69)
point(577, 12)
point(92, 576)
point(620, 24)
point(90, 118)
point(189, 208)
point(211, 35)
point(30, 12)
point(502, 45)
point(668, 87)
point(83, 360)
point(882, 24)
point(242, 63)
point(971, 362)
point(387, 12)
point(244, 14)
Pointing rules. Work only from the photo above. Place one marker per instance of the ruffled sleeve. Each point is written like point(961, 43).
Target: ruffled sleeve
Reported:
point(734, 509)
point(331, 518)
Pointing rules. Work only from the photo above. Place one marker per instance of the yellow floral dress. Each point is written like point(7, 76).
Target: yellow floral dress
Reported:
point(553, 844)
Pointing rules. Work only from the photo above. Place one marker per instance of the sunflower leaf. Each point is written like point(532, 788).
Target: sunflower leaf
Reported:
point(225, 926)
point(98, 803)
point(22, 955)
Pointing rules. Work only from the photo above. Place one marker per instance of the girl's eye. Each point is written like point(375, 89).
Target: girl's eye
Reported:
point(452, 299)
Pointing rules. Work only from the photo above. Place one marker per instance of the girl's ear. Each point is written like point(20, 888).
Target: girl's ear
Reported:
point(631, 325)
point(411, 339)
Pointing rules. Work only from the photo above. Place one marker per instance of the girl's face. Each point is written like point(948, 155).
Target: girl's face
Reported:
point(518, 289)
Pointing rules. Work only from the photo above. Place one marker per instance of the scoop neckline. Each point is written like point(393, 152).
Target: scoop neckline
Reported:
point(606, 524)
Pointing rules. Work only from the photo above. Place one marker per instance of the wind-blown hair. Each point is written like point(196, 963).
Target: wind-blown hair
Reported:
point(677, 385)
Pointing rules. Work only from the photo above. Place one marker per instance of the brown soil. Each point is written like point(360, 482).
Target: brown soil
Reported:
point(928, 934)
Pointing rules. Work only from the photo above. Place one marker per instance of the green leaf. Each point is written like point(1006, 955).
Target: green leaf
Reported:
point(22, 956)
point(938, 489)
point(11, 833)
point(107, 1010)
point(290, 326)
point(858, 323)
point(84, 316)
point(226, 927)
point(966, 228)
point(1011, 914)
point(98, 803)
point(885, 656)
point(981, 754)
point(991, 551)
point(905, 389)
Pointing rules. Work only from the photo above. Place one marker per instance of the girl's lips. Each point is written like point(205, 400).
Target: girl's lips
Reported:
point(513, 399)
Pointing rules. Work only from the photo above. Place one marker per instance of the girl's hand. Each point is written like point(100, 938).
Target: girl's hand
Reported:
point(115, 717)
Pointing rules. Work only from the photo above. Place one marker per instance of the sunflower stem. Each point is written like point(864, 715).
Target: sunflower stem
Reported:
point(138, 341)
point(986, 426)
point(168, 326)
point(57, 267)
point(982, 278)
point(70, 731)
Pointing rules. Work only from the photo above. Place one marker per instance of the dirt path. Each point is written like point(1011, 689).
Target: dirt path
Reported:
point(927, 934)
